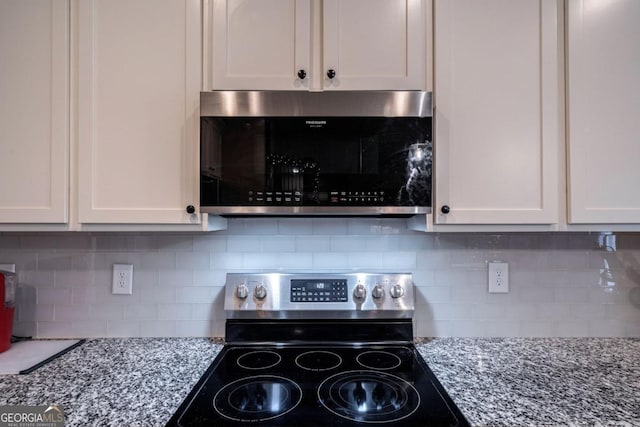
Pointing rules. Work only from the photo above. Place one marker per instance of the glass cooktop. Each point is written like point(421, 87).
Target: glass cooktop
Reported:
point(293, 385)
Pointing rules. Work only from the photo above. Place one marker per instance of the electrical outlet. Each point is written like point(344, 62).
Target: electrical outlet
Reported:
point(498, 277)
point(122, 279)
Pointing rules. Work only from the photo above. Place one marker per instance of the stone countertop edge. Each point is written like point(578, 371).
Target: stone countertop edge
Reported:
point(494, 381)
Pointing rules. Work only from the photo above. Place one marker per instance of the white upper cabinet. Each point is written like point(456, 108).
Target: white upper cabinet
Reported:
point(139, 79)
point(34, 111)
point(603, 111)
point(498, 111)
point(312, 45)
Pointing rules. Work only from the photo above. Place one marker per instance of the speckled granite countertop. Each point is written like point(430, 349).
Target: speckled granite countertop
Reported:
point(495, 382)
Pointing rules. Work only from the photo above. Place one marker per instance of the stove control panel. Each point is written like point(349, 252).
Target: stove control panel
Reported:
point(321, 295)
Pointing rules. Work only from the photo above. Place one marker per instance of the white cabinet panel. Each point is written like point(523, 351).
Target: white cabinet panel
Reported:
point(497, 113)
point(261, 44)
point(374, 44)
point(139, 71)
point(370, 44)
point(34, 111)
point(603, 109)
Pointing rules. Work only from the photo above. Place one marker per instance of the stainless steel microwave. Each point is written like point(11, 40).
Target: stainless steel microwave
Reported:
point(315, 153)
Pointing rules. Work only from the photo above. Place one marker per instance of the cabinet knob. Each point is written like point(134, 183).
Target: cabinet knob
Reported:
point(302, 74)
point(445, 209)
point(331, 73)
point(191, 209)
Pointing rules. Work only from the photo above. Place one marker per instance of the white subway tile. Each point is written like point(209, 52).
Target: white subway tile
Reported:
point(468, 328)
point(210, 243)
point(72, 279)
point(175, 278)
point(364, 260)
point(329, 226)
point(195, 294)
point(111, 311)
point(72, 312)
point(433, 329)
point(159, 329)
point(621, 312)
point(572, 329)
point(89, 329)
point(50, 261)
point(356, 244)
point(260, 226)
point(436, 294)
point(573, 294)
point(502, 329)
point(209, 277)
point(193, 328)
point(158, 261)
point(416, 242)
point(398, 261)
point(587, 311)
point(174, 243)
point(123, 329)
point(227, 261)
point(205, 311)
point(114, 242)
point(55, 330)
point(423, 277)
point(174, 312)
point(37, 313)
point(278, 244)
point(140, 311)
point(567, 260)
point(530, 328)
point(25, 329)
point(312, 243)
point(607, 328)
point(34, 278)
point(433, 259)
point(193, 260)
point(53, 296)
point(159, 294)
point(243, 243)
point(463, 293)
point(535, 294)
point(295, 261)
point(295, 226)
point(446, 311)
point(467, 259)
point(330, 260)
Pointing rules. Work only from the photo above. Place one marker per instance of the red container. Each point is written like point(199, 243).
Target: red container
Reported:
point(7, 293)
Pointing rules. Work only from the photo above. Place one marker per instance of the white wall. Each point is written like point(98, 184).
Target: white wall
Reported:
point(560, 283)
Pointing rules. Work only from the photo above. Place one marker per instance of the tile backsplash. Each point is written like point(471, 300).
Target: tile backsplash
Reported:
point(561, 284)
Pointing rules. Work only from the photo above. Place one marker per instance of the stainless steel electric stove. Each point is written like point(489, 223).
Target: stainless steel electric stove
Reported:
point(318, 350)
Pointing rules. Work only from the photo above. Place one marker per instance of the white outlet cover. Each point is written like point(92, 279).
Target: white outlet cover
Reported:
point(498, 277)
point(122, 279)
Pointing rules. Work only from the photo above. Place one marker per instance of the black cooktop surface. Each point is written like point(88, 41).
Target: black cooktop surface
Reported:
point(315, 385)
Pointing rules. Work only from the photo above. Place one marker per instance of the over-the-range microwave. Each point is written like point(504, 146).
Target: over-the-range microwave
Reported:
point(315, 153)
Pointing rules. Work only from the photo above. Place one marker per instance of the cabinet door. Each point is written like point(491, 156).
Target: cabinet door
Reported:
point(261, 44)
point(603, 110)
point(34, 105)
point(374, 44)
point(139, 80)
point(498, 135)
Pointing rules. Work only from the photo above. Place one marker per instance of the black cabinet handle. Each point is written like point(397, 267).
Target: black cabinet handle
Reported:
point(445, 209)
point(331, 74)
point(302, 74)
point(191, 209)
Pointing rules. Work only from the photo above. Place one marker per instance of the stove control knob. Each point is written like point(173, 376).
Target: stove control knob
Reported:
point(242, 291)
point(397, 291)
point(359, 292)
point(260, 292)
point(377, 292)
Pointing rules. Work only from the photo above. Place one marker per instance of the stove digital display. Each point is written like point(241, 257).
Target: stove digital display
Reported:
point(309, 290)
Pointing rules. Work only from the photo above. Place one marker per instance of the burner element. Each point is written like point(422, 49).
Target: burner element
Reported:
point(256, 360)
point(318, 360)
point(258, 398)
point(378, 360)
point(368, 396)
